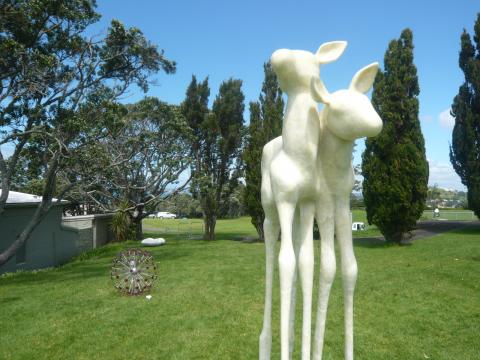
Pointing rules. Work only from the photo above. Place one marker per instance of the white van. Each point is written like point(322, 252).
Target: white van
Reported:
point(356, 226)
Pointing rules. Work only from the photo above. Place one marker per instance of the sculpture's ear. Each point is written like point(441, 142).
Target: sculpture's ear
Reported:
point(330, 51)
point(364, 78)
point(319, 91)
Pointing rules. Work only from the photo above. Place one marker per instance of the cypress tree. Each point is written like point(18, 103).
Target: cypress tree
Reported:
point(465, 147)
point(265, 124)
point(394, 165)
point(216, 142)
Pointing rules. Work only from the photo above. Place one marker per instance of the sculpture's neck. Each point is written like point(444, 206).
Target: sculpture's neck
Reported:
point(334, 150)
point(301, 126)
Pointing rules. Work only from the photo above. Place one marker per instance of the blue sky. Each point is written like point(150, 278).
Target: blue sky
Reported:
point(223, 39)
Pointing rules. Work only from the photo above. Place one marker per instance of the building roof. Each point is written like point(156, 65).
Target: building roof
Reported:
point(15, 197)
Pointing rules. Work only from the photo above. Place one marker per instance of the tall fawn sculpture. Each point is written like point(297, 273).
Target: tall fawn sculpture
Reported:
point(347, 115)
point(289, 190)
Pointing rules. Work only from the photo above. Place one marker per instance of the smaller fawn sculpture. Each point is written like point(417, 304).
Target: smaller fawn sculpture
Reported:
point(347, 115)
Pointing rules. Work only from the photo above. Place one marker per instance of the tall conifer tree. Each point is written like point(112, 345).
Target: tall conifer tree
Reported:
point(216, 144)
point(465, 148)
point(265, 124)
point(394, 166)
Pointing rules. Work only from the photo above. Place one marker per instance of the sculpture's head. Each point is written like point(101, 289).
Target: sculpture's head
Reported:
point(349, 114)
point(295, 68)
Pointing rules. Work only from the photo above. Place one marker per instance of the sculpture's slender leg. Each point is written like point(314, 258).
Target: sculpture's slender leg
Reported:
point(327, 272)
point(343, 228)
point(296, 246)
point(287, 263)
point(305, 266)
point(271, 231)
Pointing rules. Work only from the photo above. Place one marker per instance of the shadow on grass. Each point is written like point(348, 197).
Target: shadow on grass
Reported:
point(91, 264)
point(6, 300)
point(370, 242)
point(472, 228)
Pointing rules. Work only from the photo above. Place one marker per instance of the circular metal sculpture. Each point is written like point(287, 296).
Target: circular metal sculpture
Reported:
point(133, 271)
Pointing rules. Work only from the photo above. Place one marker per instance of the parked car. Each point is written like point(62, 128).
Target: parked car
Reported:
point(165, 215)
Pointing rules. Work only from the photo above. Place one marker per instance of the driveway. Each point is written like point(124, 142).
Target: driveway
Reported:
point(431, 228)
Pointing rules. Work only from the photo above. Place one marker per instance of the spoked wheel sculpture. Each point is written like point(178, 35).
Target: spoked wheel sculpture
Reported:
point(133, 271)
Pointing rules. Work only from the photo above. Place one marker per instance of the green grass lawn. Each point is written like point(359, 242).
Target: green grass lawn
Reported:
point(415, 302)
point(450, 214)
point(233, 229)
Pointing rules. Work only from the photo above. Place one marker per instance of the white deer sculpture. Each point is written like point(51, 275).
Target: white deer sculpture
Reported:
point(347, 115)
point(289, 190)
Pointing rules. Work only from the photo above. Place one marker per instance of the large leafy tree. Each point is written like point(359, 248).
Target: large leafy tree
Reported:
point(265, 124)
point(216, 145)
point(465, 148)
point(139, 162)
point(57, 84)
point(394, 165)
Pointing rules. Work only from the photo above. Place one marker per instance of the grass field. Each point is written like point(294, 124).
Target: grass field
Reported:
point(450, 214)
point(416, 302)
point(232, 229)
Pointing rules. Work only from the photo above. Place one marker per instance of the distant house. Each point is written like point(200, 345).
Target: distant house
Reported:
point(54, 241)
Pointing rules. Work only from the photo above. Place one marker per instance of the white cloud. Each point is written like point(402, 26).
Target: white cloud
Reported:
point(446, 120)
point(444, 176)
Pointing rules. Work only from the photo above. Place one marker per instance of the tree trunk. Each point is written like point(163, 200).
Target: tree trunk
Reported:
point(399, 238)
point(138, 228)
point(137, 218)
point(259, 228)
point(209, 223)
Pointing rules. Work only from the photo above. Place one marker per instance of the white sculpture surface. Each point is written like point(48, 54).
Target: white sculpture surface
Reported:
point(307, 172)
point(348, 115)
point(289, 190)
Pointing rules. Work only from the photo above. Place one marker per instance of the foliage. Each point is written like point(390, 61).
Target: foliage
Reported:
point(121, 225)
point(139, 161)
point(394, 166)
point(57, 86)
point(265, 124)
point(215, 146)
point(465, 147)
point(438, 197)
point(182, 204)
point(233, 205)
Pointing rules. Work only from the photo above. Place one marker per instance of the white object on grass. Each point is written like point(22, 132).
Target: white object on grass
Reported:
point(153, 242)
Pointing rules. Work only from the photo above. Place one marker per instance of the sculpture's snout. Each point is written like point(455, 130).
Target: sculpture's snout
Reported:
point(375, 127)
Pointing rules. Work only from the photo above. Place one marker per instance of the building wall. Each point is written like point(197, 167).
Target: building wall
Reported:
point(50, 244)
point(99, 225)
point(54, 241)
